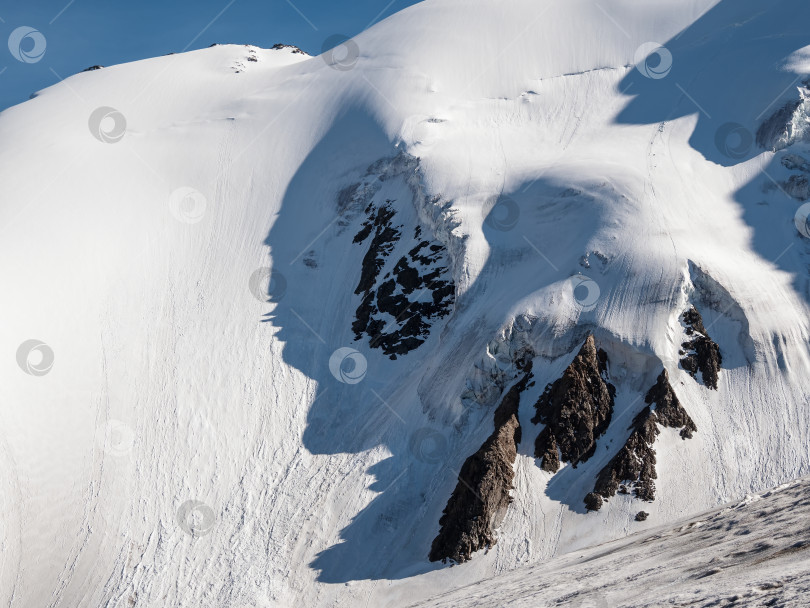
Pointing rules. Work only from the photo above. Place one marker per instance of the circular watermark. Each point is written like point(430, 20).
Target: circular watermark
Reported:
point(653, 60)
point(196, 518)
point(107, 125)
point(118, 438)
point(35, 357)
point(428, 445)
point(348, 365)
point(187, 205)
point(502, 214)
point(267, 285)
point(586, 292)
point(733, 140)
point(27, 44)
point(340, 52)
point(802, 220)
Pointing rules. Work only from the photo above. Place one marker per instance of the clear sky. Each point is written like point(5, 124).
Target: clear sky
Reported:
point(77, 34)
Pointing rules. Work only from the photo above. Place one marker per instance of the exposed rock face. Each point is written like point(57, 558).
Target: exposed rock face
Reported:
point(397, 309)
point(798, 184)
point(593, 502)
point(576, 410)
point(788, 125)
point(700, 354)
point(294, 49)
point(634, 464)
point(668, 410)
point(479, 502)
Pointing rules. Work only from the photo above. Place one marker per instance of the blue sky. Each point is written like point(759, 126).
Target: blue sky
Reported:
point(81, 33)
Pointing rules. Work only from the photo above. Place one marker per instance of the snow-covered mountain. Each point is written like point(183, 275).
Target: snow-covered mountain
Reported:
point(480, 285)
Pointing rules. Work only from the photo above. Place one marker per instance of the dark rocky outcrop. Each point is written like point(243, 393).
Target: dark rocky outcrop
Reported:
point(294, 49)
point(700, 354)
point(414, 292)
point(479, 502)
point(668, 409)
point(634, 465)
point(798, 184)
point(642, 516)
point(593, 502)
point(576, 410)
point(776, 132)
point(787, 125)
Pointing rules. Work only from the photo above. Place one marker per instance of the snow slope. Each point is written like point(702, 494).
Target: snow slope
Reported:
point(749, 553)
point(182, 391)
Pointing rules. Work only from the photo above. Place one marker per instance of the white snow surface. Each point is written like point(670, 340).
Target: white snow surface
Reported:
point(172, 382)
point(751, 552)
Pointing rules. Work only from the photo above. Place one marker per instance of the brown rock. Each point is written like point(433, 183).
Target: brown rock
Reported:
point(576, 410)
point(634, 464)
point(479, 502)
point(668, 409)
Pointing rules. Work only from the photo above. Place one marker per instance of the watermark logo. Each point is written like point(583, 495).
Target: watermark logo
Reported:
point(802, 220)
point(586, 292)
point(340, 52)
point(35, 357)
point(733, 140)
point(27, 44)
point(187, 205)
point(196, 518)
point(267, 285)
point(502, 214)
point(428, 445)
point(653, 60)
point(348, 365)
point(107, 125)
point(118, 438)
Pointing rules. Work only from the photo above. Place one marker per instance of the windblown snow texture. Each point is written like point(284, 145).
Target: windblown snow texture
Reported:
point(750, 553)
point(212, 396)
